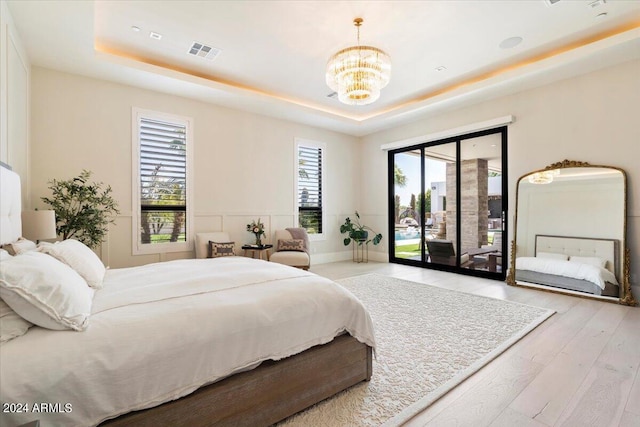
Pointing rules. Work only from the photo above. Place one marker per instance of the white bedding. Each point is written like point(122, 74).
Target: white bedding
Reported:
point(574, 270)
point(160, 331)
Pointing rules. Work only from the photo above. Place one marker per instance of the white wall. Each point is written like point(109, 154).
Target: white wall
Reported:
point(244, 163)
point(592, 118)
point(14, 101)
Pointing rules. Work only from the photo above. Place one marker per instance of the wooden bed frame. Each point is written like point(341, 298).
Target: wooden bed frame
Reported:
point(267, 394)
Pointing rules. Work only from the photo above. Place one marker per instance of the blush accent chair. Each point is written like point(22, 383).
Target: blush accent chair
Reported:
point(293, 258)
point(442, 252)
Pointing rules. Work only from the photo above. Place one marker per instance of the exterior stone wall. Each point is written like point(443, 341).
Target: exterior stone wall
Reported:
point(474, 202)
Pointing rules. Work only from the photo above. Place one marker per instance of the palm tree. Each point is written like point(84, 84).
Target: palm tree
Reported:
point(399, 177)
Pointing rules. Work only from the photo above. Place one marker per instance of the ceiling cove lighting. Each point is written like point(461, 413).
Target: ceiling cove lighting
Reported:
point(358, 73)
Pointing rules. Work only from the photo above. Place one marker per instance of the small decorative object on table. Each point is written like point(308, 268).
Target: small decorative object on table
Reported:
point(257, 228)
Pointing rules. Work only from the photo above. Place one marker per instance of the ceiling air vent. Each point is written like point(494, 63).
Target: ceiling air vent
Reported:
point(204, 51)
point(551, 2)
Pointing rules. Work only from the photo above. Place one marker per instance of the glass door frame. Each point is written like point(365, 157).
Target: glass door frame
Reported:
point(458, 140)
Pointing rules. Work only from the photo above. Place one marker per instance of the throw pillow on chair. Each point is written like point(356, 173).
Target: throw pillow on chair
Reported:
point(291, 245)
point(217, 249)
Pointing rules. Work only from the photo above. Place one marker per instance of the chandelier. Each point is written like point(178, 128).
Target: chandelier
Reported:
point(545, 177)
point(357, 73)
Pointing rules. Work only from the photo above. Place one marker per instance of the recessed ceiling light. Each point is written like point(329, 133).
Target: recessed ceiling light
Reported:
point(155, 35)
point(135, 29)
point(441, 68)
point(601, 15)
point(510, 42)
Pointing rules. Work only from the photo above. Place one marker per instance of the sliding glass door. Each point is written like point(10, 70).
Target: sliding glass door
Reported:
point(406, 210)
point(440, 197)
point(481, 203)
point(447, 204)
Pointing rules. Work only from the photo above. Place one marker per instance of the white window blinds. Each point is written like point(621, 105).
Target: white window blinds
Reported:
point(310, 188)
point(163, 181)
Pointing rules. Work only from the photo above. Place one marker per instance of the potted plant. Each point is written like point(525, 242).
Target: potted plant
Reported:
point(358, 233)
point(84, 210)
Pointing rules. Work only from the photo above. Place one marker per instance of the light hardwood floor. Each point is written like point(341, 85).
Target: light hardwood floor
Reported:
point(579, 368)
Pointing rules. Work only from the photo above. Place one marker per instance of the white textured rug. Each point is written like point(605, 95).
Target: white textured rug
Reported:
point(429, 340)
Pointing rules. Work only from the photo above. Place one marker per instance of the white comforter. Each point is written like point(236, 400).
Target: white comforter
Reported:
point(160, 331)
point(574, 270)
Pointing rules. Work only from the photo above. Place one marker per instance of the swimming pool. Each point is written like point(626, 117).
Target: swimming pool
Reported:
point(409, 233)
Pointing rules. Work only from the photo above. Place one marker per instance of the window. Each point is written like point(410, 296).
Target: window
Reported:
point(162, 188)
point(310, 183)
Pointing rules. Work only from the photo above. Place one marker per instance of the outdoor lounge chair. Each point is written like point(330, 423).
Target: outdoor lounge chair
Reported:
point(442, 252)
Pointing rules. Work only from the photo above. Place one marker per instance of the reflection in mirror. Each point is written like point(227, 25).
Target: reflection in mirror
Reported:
point(570, 231)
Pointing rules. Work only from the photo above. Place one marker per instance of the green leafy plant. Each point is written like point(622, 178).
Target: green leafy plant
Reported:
point(83, 209)
point(358, 232)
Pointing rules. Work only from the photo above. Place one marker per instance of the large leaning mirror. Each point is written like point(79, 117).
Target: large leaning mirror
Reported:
point(570, 230)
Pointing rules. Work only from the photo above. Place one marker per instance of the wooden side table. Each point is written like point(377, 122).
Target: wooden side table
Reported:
point(253, 249)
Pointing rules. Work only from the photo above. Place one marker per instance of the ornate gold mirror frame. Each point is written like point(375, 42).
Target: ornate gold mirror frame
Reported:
point(545, 175)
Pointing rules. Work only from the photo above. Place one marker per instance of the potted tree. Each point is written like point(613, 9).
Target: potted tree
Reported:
point(84, 210)
point(358, 233)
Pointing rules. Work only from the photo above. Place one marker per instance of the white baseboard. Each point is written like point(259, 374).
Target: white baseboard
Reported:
point(345, 256)
point(330, 257)
point(378, 257)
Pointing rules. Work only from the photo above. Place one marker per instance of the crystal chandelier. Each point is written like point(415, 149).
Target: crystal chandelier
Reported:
point(357, 73)
point(541, 177)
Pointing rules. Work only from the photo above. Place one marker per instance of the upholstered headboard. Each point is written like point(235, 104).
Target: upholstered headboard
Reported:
point(581, 246)
point(10, 205)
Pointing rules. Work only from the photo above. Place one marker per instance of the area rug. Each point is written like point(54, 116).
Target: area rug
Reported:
point(429, 340)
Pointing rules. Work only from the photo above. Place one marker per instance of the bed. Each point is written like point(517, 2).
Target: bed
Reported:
point(228, 341)
point(573, 263)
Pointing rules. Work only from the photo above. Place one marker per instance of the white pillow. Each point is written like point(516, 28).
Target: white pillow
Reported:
point(46, 292)
point(11, 325)
point(551, 255)
point(20, 246)
point(590, 260)
point(4, 255)
point(79, 257)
